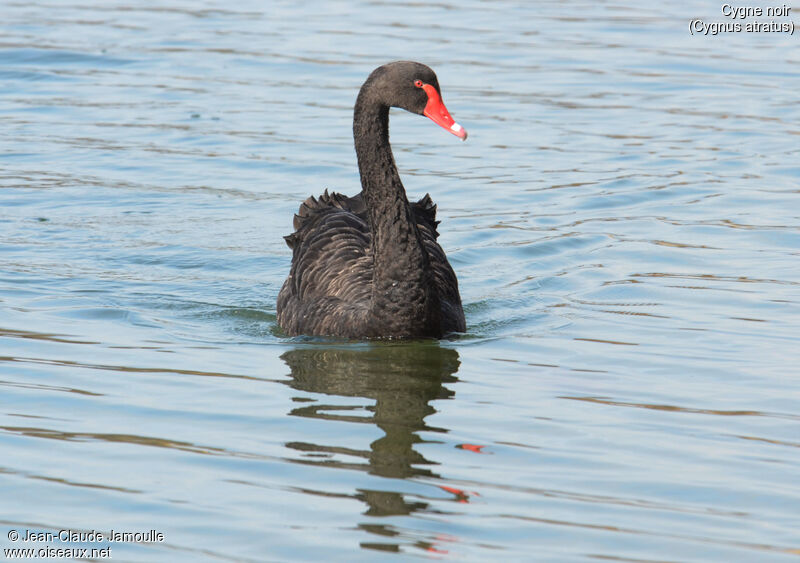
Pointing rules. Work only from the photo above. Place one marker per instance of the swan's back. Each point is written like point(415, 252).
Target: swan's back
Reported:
point(329, 288)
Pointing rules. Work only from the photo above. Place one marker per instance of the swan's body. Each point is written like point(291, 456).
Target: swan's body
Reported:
point(369, 266)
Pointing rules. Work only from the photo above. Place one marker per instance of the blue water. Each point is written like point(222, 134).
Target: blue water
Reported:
point(624, 220)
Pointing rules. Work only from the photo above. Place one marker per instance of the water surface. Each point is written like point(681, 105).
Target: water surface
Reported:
point(624, 221)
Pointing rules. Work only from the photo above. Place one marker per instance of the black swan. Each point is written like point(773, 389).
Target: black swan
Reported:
point(369, 266)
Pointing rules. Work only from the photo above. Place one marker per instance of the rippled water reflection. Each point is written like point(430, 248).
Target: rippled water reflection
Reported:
point(624, 224)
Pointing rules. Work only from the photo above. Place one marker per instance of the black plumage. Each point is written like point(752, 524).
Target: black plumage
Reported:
point(369, 266)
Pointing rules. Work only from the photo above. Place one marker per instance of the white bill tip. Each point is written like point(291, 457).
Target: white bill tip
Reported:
point(456, 129)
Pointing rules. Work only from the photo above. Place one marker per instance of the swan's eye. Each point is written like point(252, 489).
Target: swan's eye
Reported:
point(418, 83)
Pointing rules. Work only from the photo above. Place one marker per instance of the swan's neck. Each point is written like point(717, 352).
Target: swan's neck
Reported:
point(403, 292)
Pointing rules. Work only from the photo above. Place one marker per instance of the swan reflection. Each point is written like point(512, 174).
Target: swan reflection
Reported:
point(400, 380)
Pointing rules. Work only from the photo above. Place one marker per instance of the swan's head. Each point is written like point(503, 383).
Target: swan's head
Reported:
point(414, 87)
